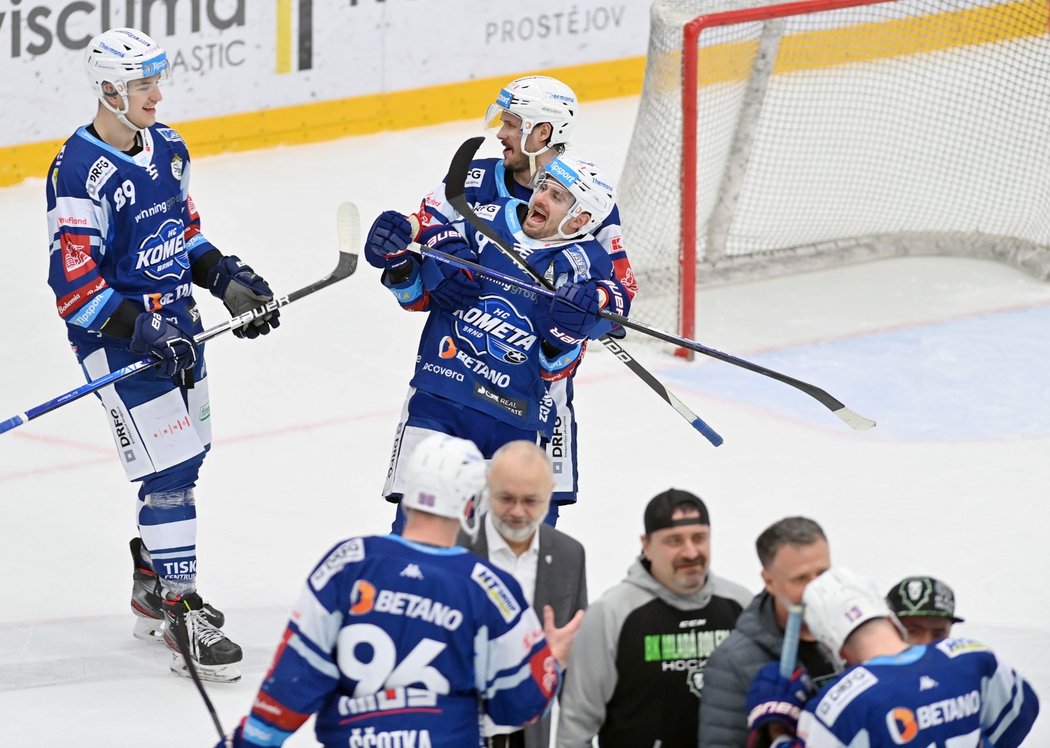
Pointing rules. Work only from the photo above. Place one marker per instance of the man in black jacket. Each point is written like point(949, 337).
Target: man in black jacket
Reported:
point(793, 552)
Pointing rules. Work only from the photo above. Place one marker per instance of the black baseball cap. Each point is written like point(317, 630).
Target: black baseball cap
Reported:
point(923, 596)
point(661, 507)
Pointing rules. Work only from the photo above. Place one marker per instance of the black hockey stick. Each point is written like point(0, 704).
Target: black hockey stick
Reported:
point(349, 224)
point(184, 645)
point(848, 416)
point(454, 188)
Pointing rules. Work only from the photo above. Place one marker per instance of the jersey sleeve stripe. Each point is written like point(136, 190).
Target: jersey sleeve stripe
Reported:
point(315, 623)
point(317, 661)
point(1003, 701)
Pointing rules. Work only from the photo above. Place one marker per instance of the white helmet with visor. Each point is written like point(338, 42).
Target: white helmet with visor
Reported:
point(122, 61)
point(593, 193)
point(536, 99)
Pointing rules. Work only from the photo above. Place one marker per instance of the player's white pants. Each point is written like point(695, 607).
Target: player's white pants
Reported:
point(561, 447)
point(157, 433)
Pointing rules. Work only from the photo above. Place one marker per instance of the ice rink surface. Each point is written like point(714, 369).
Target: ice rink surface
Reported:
point(949, 356)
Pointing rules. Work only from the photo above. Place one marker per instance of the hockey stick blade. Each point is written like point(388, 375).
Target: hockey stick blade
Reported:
point(349, 227)
point(849, 417)
point(455, 185)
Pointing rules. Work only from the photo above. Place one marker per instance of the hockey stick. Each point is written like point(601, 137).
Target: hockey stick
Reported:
point(348, 222)
point(789, 649)
point(454, 188)
point(457, 171)
point(848, 416)
point(184, 645)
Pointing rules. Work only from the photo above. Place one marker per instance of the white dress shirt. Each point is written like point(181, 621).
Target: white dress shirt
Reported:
point(523, 569)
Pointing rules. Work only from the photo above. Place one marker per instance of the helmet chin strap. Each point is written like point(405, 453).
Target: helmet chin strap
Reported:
point(121, 115)
point(532, 155)
point(568, 217)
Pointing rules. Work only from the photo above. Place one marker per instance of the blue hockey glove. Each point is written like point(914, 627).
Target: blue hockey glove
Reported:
point(774, 700)
point(241, 290)
point(388, 240)
point(449, 287)
point(574, 311)
point(156, 336)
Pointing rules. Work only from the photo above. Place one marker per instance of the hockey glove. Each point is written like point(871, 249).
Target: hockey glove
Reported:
point(574, 310)
point(449, 287)
point(157, 337)
point(388, 240)
point(774, 700)
point(241, 290)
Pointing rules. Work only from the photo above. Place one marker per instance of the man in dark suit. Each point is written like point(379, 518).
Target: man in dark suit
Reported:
point(548, 564)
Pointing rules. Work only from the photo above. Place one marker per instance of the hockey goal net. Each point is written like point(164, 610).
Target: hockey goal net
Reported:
point(778, 138)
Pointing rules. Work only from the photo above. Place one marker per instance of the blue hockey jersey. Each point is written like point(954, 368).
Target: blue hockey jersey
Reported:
point(488, 180)
point(122, 227)
point(402, 644)
point(953, 694)
point(488, 356)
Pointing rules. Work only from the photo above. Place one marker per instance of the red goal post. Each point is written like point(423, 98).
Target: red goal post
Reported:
point(815, 133)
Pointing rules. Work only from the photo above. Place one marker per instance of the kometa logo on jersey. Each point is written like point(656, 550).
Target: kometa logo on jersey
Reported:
point(495, 327)
point(163, 254)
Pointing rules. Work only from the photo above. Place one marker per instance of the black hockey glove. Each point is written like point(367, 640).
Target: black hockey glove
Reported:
point(241, 290)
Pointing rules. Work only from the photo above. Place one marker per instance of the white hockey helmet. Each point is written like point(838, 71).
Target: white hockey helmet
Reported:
point(117, 57)
point(537, 99)
point(837, 602)
point(442, 476)
point(593, 192)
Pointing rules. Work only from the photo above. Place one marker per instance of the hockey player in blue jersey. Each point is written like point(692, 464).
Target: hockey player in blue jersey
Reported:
point(488, 353)
point(406, 641)
point(954, 693)
point(534, 118)
point(126, 249)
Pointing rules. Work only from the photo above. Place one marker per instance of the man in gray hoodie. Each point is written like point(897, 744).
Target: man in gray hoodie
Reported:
point(793, 552)
point(637, 664)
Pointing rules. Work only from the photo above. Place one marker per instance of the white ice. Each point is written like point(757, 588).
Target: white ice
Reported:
point(950, 356)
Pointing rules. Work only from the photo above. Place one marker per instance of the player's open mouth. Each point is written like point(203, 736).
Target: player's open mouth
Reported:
point(536, 216)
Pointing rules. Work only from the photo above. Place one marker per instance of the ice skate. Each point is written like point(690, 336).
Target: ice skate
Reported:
point(214, 656)
point(146, 600)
